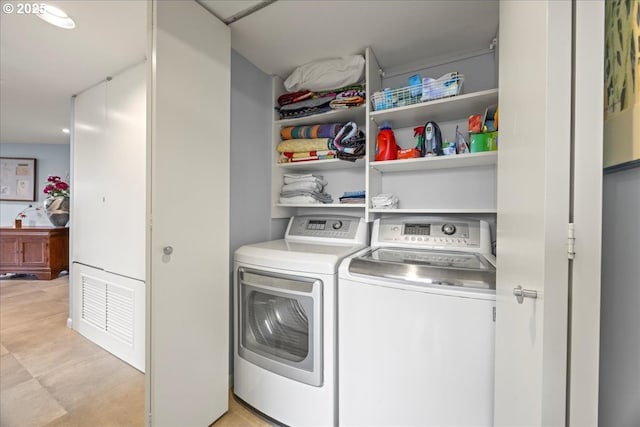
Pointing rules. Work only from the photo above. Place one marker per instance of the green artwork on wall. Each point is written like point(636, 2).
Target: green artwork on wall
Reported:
point(622, 85)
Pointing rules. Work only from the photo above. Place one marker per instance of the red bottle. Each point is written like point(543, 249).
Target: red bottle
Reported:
point(386, 149)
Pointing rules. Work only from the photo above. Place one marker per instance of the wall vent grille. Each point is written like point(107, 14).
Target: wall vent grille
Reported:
point(109, 307)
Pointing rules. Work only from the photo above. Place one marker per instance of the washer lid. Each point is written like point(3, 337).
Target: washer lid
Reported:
point(465, 269)
point(294, 256)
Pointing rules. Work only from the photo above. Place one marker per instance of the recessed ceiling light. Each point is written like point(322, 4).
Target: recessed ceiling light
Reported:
point(65, 130)
point(57, 17)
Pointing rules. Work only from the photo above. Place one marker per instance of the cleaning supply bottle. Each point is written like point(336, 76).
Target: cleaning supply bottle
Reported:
point(419, 133)
point(386, 148)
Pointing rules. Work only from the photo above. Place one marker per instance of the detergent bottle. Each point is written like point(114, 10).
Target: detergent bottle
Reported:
point(419, 133)
point(386, 148)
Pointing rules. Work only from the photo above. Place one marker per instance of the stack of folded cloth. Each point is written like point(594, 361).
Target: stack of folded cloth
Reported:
point(304, 189)
point(306, 103)
point(384, 201)
point(321, 142)
point(304, 143)
point(350, 142)
point(352, 197)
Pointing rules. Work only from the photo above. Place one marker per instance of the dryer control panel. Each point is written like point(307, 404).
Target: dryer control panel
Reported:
point(326, 228)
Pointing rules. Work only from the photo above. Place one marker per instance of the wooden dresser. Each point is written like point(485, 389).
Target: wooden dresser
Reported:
point(41, 251)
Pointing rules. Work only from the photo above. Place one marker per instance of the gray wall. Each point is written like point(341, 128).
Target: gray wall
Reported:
point(250, 162)
point(52, 159)
point(620, 304)
point(250, 153)
point(480, 73)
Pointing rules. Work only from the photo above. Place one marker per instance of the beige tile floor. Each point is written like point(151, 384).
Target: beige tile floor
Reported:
point(52, 376)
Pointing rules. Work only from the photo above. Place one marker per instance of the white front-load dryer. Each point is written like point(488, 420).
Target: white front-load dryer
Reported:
point(285, 329)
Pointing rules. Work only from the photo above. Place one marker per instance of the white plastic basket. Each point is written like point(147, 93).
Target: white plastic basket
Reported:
point(448, 85)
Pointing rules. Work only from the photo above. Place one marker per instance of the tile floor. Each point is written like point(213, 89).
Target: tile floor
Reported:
point(52, 376)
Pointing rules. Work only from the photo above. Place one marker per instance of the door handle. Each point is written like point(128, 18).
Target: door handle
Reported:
point(167, 250)
point(521, 294)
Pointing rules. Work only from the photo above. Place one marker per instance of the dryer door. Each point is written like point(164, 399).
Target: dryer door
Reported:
point(281, 324)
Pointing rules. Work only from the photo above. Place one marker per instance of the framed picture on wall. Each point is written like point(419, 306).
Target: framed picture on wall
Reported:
point(17, 179)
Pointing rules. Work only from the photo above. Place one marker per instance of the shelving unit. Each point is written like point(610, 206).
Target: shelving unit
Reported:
point(341, 175)
point(455, 184)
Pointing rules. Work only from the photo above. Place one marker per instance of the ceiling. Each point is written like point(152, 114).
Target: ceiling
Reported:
point(42, 66)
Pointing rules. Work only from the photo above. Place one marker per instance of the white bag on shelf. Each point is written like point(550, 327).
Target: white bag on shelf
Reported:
point(326, 74)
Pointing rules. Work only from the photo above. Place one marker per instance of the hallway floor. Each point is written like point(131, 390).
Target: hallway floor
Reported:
point(52, 376)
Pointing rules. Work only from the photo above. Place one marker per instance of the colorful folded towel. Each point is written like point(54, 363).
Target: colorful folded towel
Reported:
point(306, 156)
point(329, 130)
point(303, 145)
point(292, 97)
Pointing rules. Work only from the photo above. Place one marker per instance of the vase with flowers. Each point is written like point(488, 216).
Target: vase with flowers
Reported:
point(22, 215)
point(56, 205)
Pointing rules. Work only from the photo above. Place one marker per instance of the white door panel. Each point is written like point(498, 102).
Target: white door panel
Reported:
point(189, 153)
point(126, 179)
point(89, 147)
point(533, 211)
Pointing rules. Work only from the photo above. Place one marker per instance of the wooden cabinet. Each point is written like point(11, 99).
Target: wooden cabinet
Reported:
point(41, 251)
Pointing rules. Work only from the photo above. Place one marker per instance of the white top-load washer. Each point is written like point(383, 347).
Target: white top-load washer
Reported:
point(285, 318)
point(416, 323)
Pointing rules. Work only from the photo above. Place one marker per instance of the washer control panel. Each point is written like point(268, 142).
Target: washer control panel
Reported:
point(431, 232)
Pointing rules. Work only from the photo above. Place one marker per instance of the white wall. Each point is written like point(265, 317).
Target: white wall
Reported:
point(620, 301)
point(52, 159)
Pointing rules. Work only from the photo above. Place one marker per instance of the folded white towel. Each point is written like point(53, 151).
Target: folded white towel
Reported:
point(384, 201)
point(292, 177)
point(303, 186)
point(299, 200)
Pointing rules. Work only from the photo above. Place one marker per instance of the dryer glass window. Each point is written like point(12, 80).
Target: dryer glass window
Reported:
point(277, 325)
point(280, 326)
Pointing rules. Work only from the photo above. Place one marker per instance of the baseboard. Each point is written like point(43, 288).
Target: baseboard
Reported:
point(69, 323)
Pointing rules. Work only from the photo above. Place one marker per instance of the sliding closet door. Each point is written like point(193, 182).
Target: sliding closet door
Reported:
point(188, 248)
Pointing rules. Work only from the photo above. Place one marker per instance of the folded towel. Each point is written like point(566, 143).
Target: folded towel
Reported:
point(305, 108)
point(290, 178)
point(302, 145)
point(353, 197)
point(348, 102)
point(384, 201)
point(297, 195)
point(303, 186)
point(306, 156)
point(329, 130)
point(292, 97)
